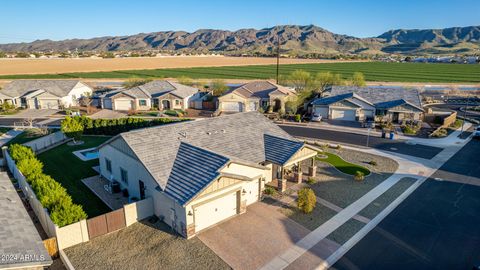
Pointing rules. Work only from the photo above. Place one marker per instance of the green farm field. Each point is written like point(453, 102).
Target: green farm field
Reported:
point(373, 71)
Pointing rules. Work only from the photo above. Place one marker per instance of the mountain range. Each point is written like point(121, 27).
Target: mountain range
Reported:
point(294, 40)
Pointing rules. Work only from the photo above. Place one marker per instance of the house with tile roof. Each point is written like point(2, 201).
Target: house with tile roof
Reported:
point(254, 95)
point(202, 172)
point(44, 94)
point(369, 103)
point(158, 94)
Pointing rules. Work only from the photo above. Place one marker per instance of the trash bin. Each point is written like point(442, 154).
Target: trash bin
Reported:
point(392, 135)
point(383, 134)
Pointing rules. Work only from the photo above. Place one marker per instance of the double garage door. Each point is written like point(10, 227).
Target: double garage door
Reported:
point(221, 208)
point(343, 114)
point(232, 106)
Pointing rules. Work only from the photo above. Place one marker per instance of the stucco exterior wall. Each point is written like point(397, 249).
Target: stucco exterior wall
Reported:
point(73, 96)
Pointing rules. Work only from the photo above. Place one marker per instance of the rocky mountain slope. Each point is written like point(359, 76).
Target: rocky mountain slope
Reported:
point(294, 39)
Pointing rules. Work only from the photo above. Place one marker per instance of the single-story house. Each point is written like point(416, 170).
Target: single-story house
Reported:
point(369, 103)
point(44, 94)
point(254, 95)
point(158, 94)
point(200, 173)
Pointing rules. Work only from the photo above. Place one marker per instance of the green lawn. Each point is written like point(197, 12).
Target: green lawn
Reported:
point(68, 170)
point(342, 165)
point(373, 71)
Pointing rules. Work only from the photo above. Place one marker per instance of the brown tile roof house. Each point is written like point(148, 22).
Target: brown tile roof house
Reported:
point(254, 95)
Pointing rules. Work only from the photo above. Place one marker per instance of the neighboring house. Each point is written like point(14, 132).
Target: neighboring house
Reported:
point(202, 172)
point(44, 94)
point(159, 95)
point(254, 95)
point(369, 103)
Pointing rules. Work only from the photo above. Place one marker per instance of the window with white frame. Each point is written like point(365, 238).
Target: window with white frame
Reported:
point(108, 165)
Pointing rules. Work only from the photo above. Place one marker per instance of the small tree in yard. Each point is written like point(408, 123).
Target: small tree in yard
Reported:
point(72, 128)
point(219, 87)
point(306, 200)
point(358, 79)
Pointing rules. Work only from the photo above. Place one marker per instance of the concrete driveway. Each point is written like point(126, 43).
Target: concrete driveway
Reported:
point(251, 240)
point(31, 113)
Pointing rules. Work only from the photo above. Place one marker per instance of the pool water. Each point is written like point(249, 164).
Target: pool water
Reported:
point(90, 154)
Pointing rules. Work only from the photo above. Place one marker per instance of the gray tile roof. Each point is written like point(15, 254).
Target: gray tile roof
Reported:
point(156, 89)
point(260, 89)
point(380, 95)
point(280, 150)
point(331, 99)
point(194, 168)
point(238, 137)
point(18, 235)
point(58, 88)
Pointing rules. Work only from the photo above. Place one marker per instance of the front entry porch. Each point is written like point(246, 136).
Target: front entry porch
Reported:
point(289, 174)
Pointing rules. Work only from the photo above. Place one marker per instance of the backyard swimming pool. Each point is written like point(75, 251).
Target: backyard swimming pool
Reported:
point(87, 154)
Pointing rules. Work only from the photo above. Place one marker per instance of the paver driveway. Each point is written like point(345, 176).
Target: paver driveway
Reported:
point(252, 239)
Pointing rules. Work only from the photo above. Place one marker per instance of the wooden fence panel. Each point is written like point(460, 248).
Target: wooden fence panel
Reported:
point(115, 220)
point(97, 226)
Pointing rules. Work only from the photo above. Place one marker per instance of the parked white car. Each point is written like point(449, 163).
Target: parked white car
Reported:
point(476, 133)
point(316, 118)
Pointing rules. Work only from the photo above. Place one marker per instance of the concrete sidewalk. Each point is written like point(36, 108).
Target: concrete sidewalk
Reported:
point(419, 169)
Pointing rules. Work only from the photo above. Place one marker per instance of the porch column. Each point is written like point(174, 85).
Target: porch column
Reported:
point(282, 182)
point(297, 176)
point(312, 169)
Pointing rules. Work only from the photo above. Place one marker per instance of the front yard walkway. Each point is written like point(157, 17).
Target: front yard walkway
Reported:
point(144, 246)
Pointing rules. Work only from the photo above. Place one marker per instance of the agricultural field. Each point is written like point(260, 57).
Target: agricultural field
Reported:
point(18, 66)
point(373, 71)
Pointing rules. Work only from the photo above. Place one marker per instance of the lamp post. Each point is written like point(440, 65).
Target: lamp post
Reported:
point(465, 113)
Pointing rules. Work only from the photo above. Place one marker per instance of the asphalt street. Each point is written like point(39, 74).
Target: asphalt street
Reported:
point(436, 227)
point(397, 146)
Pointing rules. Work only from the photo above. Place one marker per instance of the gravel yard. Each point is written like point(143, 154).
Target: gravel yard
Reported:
point(377, 206)
point(341, 189)
point(346, 231)
point(310, 221)
point(144, 246)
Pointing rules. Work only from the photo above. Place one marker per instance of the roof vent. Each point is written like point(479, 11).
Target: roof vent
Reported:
point(183, 134)
point(224, 131)
point(209, 133)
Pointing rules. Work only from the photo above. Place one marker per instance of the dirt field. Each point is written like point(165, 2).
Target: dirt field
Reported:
point(43, 66)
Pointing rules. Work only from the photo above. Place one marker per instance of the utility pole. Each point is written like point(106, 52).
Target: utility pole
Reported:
point(278, 54)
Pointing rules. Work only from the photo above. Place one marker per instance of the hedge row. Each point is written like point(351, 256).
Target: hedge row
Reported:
point(49, 192)
point(116, 126)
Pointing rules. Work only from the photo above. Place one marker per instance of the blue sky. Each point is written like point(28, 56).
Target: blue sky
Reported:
point(27, 20)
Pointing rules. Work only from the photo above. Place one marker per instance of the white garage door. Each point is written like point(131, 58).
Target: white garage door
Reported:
point(347, 115)
point(252, 191)
point(323, 111)
point(215, 211)
point(48, 104)
point(123, 104)
point(232, 106)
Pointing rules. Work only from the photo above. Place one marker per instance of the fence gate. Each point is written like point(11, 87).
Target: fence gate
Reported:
point(115, 220)
point(106, 223)
point(97, 226)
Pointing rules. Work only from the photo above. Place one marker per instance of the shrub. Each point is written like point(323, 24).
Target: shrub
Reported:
point(66, 213)
point(30, 167)
point(269, 190)
point(48, 191)
point(72, 127)
point(311, 181)
point(359, 176)
point(19, 152)
point(373, 163)
point(298, 118)
point(306, 200)
point(440, 133)
point(338, 147)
